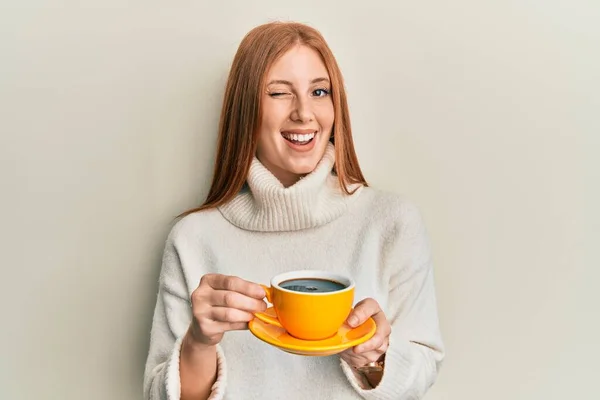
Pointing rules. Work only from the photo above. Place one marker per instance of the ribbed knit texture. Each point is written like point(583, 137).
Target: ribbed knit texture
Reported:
point(376, 238)
point(266, 205)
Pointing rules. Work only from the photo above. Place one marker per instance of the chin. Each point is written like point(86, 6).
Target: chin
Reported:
point(305, 171)
point(303, 167)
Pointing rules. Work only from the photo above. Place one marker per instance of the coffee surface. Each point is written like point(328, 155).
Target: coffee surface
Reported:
point(312, 285)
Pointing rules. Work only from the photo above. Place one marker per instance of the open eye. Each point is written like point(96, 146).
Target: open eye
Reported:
point(320, 92)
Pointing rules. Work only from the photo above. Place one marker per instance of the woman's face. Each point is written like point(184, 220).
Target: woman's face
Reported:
point(297, 115)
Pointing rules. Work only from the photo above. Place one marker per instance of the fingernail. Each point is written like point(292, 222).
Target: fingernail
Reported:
point(353, 321)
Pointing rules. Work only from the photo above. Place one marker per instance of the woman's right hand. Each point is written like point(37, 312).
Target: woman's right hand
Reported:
point(223, 303)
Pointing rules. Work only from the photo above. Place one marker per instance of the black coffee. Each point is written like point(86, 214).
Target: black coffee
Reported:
point(312, 285)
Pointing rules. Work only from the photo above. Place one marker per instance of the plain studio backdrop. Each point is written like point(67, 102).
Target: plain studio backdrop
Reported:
point(483, 113)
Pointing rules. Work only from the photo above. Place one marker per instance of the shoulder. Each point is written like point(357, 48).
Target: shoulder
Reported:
point(182, 244)
point(394, 211)
point(193, 225)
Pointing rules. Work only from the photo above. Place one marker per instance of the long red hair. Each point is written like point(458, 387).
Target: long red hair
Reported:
point(241, 111)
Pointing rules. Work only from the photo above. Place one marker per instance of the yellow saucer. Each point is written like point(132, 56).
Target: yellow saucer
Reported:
point(344, 339)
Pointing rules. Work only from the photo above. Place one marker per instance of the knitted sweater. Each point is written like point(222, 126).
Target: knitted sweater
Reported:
point(378, 239)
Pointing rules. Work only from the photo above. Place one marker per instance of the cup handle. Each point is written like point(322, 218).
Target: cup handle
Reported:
point(268, 293)
point(269, 319)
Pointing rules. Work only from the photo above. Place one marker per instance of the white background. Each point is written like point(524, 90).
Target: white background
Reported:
point(484, 113)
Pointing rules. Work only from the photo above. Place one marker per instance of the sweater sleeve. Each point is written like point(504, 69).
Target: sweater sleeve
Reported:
point(172, 317)
point(415, 350)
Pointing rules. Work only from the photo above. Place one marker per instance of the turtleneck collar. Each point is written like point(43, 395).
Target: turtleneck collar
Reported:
point(266, 205)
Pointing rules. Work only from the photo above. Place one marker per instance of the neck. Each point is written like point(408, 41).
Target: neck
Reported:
point(286, 178)
point(267, 204)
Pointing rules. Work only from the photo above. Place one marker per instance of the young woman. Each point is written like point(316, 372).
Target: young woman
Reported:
point(288, 194)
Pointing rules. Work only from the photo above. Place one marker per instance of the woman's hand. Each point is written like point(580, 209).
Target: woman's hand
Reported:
point(374, 348)
point(223, 303)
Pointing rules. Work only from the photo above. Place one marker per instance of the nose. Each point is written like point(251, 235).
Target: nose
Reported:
point(301, 111)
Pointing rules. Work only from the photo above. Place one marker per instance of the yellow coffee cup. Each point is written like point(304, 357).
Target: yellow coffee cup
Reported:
point(310, 305)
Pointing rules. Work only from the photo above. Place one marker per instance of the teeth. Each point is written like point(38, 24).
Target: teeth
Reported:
point(299, 138)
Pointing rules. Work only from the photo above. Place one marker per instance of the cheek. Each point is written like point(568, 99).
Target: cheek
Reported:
point(265, 123)
point(268, 139)
point(325, 116)
point(274, 115)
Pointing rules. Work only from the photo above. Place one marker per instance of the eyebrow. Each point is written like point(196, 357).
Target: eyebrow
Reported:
point(284, 82)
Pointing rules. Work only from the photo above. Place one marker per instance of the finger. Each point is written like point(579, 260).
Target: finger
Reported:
point(208, 328)
point(231, 326)
point(224, 298)
point(231, 315)
point(362, 311)
point(383, 326)
point(370, 357)
point(234, 284)
point(376, 343)
point(354, 360)
point(365, 358)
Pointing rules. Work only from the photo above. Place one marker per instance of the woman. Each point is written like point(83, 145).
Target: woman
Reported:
point(288, 194)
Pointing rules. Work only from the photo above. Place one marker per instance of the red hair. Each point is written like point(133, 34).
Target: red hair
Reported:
point(241, 111)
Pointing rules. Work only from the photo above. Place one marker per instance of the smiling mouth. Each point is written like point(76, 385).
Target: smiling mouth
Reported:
point(299, 138)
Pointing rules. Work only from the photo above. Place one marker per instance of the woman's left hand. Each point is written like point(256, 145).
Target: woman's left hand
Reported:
point(374, 348)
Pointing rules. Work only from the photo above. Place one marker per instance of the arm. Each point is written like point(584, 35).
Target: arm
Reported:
point(415, 347)
point(176, 367)
point(197, 370)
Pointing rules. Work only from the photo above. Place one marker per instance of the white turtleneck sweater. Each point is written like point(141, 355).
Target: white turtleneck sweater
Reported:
point(376, 238)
